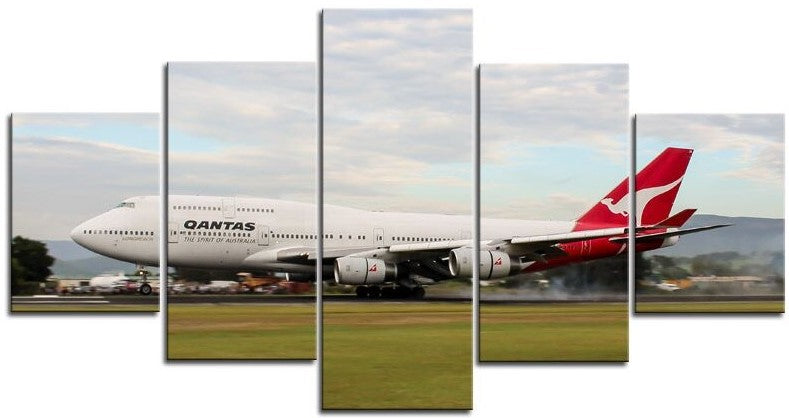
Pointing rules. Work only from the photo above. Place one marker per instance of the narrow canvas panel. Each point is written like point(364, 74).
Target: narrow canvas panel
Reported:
point(554, 198)
point(398, 193)
point(712, 222)
point(85, 212)
point(242, 219)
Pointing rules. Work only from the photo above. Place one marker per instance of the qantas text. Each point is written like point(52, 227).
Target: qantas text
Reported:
point(228, 226)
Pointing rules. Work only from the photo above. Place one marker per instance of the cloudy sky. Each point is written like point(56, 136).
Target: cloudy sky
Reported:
point(67, 168)
point(398, 91)
point(737, 168)
point(243, 129)
point(554, 138)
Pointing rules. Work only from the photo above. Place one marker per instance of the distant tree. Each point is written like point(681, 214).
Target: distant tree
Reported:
point(32, 260)
point(643, 267)
point(715, 264)
point(18, 273)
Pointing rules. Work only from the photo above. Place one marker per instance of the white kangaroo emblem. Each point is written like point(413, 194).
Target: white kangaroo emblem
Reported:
point(643, 197)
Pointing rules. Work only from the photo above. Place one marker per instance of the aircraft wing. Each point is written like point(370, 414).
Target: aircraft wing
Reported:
point(299, 255)
point(668, 234)
point(541, 247)
point(553, 239)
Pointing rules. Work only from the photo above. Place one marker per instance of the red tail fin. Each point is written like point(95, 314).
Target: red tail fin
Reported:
point(657, 185)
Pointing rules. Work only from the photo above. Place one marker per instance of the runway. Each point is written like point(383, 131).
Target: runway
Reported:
point(537, 301)
point(248, 299)
point(239, 299)
point(708, 298)
point(44, 300)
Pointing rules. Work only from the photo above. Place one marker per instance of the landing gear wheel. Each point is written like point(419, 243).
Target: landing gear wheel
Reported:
point(362, 291)
point(418, 292)
point(374, 292)
point(145, 289)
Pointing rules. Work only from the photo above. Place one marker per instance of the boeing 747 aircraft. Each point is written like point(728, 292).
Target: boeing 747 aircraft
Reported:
point(388, 254)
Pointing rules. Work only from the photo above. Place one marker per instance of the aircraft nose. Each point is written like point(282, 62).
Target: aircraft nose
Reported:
point(78, 234)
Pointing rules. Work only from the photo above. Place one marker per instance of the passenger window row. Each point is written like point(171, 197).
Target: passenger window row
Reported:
point(349, 236)
point(291, 236)
point(115, 232)
point(219, 209)
point(185, 207)
point(259, 210)
point(418, 239)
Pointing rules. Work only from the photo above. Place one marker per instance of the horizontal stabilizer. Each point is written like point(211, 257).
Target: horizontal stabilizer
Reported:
point(676, 220)
point(668, 234)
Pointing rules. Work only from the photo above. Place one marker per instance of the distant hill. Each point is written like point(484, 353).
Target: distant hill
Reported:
point(67, 250)
point(746, 235)
point(72, 260)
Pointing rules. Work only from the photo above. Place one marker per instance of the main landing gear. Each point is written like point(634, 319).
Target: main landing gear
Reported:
point(145, 288)
point(390, 292)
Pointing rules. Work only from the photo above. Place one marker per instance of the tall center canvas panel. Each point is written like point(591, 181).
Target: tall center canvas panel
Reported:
point(398, 193)
point(242, 153)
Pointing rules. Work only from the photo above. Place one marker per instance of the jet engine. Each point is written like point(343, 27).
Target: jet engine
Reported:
point(361, 271)
point(492, 264)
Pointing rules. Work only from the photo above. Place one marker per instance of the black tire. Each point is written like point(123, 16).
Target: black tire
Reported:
point(374, 292)
point(145, 289)
point(362, 291)
point(418, 292)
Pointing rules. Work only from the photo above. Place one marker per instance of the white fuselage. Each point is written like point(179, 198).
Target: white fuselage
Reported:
point(223, 232)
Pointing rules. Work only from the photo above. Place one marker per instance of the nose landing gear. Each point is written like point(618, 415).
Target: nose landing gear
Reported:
point(145, 288)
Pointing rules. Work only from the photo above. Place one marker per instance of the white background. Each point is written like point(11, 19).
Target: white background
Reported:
point(99, 56)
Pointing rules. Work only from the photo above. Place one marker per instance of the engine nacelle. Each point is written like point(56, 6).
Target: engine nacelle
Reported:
point(492, 264)
point(667, 242)
point(359, 270)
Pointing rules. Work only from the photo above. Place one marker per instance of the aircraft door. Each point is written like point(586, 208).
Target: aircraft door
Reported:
point(263, 234)
point(173, 232)
point(229, 208)
point(378, 237)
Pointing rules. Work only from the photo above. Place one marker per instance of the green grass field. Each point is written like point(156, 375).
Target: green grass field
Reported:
point(241, 332)
point(554, 332)
point(397, 355)
point(711, 307)
point(19, 307)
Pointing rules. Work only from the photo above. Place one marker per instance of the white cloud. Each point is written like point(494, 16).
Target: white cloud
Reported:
point(146, 120)
point(757, 140)
point(552, 137)
point(549, 105)
point(243, 129)
point(59, 182)
point(398, 107)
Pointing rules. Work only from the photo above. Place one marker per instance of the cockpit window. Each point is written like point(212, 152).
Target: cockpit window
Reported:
point(126, 205)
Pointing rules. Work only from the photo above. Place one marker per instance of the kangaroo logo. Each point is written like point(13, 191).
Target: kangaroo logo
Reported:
point(374, 268)
point(498, 262)
point(643, 197)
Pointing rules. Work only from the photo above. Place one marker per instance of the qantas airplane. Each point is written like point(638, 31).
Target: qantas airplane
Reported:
point(387, 254)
